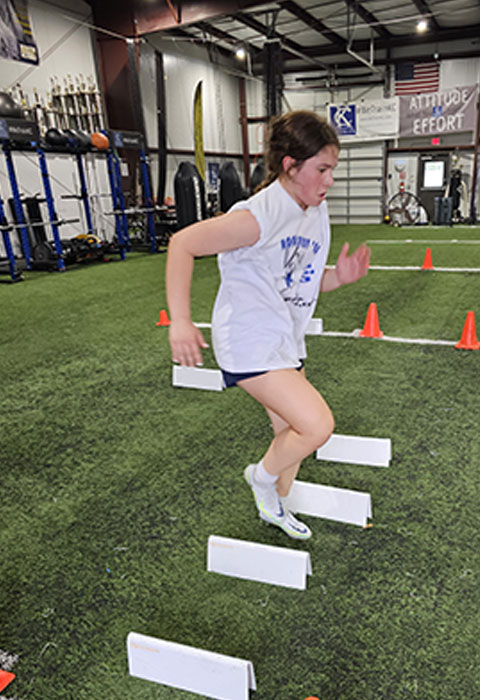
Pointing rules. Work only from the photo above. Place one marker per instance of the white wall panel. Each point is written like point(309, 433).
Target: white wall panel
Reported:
point(148, 90)
point(184, 67)
point(459, 72)
point(220, 105)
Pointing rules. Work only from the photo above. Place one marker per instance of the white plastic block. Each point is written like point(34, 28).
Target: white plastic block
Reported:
point(375, 452)
point(197, 378)
point(315, 327)
point(258, 562)
point(342, 505)
point(188, 668)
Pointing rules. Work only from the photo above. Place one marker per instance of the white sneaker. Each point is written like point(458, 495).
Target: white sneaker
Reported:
point(267, 499)
point(271, 509)
point(284, 502)
point(292, 527)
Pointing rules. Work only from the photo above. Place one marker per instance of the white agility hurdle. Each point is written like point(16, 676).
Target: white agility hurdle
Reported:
point(197, 378)
point(330, 503)
point(315, 327)
point(187, 668)
point(278, 566)
point(353, 449)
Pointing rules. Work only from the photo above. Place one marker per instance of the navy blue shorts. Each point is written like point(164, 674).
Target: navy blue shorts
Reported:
point(231, 378)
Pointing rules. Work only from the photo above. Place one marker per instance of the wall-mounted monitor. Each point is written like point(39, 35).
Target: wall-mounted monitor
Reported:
point(433, 174)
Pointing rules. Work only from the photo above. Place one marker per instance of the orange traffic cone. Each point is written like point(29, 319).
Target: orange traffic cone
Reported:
point(5, 678)
point(371, 329)
point(163, 320)
point(469, 341)
point(427, 262)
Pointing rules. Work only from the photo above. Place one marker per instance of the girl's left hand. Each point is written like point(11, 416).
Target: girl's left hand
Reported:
point(350, 268)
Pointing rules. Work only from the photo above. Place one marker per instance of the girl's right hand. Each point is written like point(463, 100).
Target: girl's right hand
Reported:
point(185, 343)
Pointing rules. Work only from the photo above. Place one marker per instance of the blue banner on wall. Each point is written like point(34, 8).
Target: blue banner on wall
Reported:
point(367, 120)
point(16, 36)
point(344, 119)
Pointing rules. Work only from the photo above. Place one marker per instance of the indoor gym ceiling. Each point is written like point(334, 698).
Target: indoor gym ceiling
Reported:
point(336, 42)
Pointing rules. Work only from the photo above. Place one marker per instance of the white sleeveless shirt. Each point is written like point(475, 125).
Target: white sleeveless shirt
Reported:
point(268, 291)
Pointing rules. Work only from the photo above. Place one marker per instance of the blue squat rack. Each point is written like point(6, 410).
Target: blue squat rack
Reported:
point(17, 204)
point(54, 221)
point(5, 227)
point(131, 140)
point(29, 139)
point(121, 226)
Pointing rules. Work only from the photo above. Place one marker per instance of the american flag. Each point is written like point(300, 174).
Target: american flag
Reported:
point(412, 78)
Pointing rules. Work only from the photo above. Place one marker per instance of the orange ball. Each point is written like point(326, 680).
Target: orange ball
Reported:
point(100, 141)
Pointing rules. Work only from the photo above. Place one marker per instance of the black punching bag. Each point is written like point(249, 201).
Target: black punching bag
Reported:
point(231, 189)
point(258, 176)
point(189, 195)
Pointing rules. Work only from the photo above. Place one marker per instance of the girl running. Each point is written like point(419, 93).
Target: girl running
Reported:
point(272, 249)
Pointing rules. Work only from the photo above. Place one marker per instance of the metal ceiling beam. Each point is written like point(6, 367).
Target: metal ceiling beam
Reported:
point(313, 23)
point(208, 28)
point(268, 32)
point(369, 19)
point(220, 34)
point(149, 17)
point(380, 62)
point(154, 17)
point(271, 33)
point(182, 35)
point(443, 35)
point(425, 10)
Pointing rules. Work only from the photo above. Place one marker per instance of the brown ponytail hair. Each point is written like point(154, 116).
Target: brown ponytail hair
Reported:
point(301, 135)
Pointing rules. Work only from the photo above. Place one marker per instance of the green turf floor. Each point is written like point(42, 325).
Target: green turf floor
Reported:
point(112, 482)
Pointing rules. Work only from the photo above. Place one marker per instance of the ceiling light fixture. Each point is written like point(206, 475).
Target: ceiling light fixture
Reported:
point(240, 54)
point(422, 26)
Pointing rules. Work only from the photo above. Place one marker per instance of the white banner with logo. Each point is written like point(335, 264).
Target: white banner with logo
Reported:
point(438, 113)
point(368, 120)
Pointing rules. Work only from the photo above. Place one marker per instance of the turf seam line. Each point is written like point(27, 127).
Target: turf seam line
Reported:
point(423, 241)
point(409, 268)
point(390, 338)
point(356, 332)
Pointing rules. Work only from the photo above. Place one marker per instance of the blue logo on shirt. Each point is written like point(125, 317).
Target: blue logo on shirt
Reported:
point(307, 274)
point(297, 251)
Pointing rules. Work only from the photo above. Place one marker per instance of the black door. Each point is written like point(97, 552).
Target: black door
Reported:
point(432, 179)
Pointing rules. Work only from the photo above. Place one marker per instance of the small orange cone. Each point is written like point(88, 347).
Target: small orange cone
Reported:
point(163, 320)
point(427, 262)
point(469, 341)
point(371, 329)
point(5, 679)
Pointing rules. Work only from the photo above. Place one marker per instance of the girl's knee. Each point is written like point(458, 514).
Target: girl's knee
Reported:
point(329, 428)
point(320, 430)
